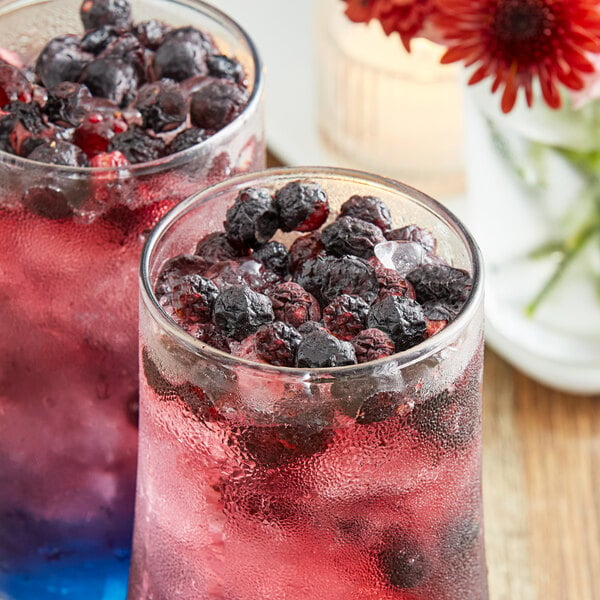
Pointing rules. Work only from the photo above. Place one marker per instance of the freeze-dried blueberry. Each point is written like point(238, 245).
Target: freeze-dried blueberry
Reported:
point(435, 282)
point(252, 220)
point(110, 78)
point(59, 153)
point(346, 316)
point(215, 247)
point(151, 33)
point(176, 268)
point(320, 349)
point(379, 407)
point(47, 202)
point(225, 67)
point(311, 274)
point(348, 235)
point(277, 343)
point(293, 305)
point(212, 335)
point(302, 205)
point(239, 311)
point(22, 128)
point(274, 256)
point(349, 275)
point(96, 40)
point(413, 233)
point(372, 344)
point(310, 327)
point(368, 208)
point(61, 59)
point(401, 562)
point(161, 105)
point(65, 105)
point(155, 379)
point(304, 248)
point(401, 318)
point(197, 401)
point(192, 298)
point(216, 102)
point(187, 138)
point(182, 54)
point(128, 49)
point(95, 13)
point(137, 145)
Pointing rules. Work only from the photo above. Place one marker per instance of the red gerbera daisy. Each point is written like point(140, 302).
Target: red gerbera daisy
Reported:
point(407, 17)
point(517, 41)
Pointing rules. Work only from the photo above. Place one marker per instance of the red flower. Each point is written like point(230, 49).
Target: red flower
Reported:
point(407, 17)
point(518, 41)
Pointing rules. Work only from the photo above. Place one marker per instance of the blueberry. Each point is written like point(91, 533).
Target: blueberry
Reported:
point(215, 247)
point(216, 103)
point(65, 105)
point(311, 274)
point(293, 305)
point(22, 128)
point(127, 48)
point(95, 13)
point(239, 311)
point(151, 33)
point(368, 208)
point(211, 335)
point(372, 344)
point(349, 275)
point(274, 256)
point(187, 138)
point(320, 349)
point(379, 407)
point(59, 153)
point(176, 268)
point(345, 316)
point(348, 235)
point(61, 59)
point(441, 284)
point(277, 343)
point(155, 379)
point(413, 233)
point(197, 401)
point(310, 327)
point(304, 248)
point(137, 145)
point(111, 78)
point(224, 67)
point(161, 105)
point(401, 562)
point(192, 298)
point(13, 85)
point(48, 202)
point(302, 205)
point(401, 318)
point(96, 40)
point(182, 54)
point(252, 220)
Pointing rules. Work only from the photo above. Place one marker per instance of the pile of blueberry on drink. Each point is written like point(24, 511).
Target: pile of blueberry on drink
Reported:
point(325, 301)
point(122, 93)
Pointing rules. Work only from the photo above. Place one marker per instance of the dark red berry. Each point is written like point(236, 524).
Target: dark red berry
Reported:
point(96, 40)
point(401, 562)
point(216, 103)
point(48, 202)
point(212, 336)
point(392, 284)
point(349, 275)
point(22, 128)
point(348, 235)
point(239, 311)
point(13, 85)
point(277, 343)
point(293, 305)
point(61, 59)
point(252, 220)
point(182, 54)
point(65, 105)
point(302, 205)
point(187, 138)
point(110, 78)
point(413, 233)
point(59, 153)
point(346, 316)
point(192, 298)
point(176, 268)
point(305, 247)
point(441, 283)
point(274, 256)
point(320, 349)
point(95, 13)
point(161, 105)
point(137, 145)
point(101, 123)
point(151, 33)
point(368, 208)
point(225, 67)
point(215, 247)
point(372, 344)
point(401, 318)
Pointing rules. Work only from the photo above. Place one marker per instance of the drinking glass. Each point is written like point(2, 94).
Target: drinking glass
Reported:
point(265, 482)
point(68, 324)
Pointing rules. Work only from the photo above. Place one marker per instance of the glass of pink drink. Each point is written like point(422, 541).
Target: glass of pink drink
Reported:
point(261, 481)
point(70, 243)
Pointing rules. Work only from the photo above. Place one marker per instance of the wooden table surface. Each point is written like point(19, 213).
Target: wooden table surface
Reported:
point(541, 486)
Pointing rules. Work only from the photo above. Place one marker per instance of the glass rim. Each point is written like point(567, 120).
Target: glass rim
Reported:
point(179, 158)
point(404, 358)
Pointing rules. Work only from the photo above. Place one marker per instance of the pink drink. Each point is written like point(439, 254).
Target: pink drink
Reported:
point(68, 329)
point(258, 482)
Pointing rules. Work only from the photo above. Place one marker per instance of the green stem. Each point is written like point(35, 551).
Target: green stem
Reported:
point(571, 248)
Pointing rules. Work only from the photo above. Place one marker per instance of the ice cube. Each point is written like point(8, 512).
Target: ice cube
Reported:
point(401, 256)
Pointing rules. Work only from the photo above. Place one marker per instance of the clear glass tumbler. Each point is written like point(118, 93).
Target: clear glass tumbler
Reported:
point(68, 324)
point(265, 482)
